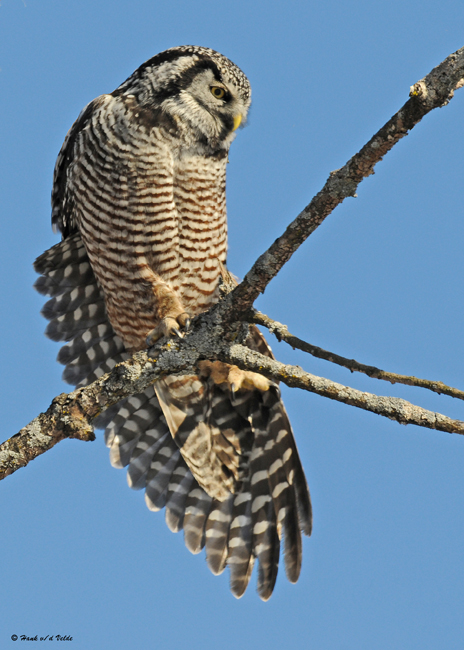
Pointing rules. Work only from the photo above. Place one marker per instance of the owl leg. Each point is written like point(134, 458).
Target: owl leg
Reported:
point(169, 312)
point(169, 327)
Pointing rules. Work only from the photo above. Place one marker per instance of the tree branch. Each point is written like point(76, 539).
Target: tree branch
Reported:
point(433, 91)
point(282, 334)
point(393, 408)
point(71, 416)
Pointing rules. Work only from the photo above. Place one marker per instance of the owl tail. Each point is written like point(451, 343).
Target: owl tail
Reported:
point(239, 447)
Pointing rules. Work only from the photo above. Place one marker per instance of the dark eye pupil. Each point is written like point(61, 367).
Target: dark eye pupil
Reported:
point(218, 92)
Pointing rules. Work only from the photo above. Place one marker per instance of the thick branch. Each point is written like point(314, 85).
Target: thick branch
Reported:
point(433, 91)
point(282, 334)
point(72, 415)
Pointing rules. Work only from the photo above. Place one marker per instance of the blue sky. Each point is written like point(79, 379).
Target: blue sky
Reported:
point(381, 281)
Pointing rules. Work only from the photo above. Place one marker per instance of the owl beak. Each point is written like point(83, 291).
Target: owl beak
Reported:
point(237, 121)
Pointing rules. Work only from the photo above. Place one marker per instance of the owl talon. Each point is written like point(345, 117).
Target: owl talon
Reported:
point(184, 320)
point(168, 327)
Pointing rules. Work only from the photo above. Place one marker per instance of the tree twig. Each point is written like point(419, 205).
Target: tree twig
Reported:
point(281, 332)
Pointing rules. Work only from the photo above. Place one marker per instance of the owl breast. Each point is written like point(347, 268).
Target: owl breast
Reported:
point(153, 219)
point(199, 196)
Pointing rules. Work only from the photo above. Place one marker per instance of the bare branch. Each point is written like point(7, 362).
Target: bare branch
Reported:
point(71, 416)
point(63, 419)
point(282, 334)
point(433, 91)
point(393, 408)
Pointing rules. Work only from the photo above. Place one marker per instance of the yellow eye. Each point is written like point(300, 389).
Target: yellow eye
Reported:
point(218, 92)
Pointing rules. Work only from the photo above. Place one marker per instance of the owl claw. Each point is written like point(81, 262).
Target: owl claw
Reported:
point(176, 332)
point(169, 327)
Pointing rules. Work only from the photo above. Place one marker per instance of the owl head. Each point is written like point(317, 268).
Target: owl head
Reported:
point(206, 96)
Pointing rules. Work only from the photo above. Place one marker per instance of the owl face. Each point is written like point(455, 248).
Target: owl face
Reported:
point(205, 95)
point(209, 108)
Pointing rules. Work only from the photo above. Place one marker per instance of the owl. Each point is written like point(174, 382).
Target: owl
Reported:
point(139, 199)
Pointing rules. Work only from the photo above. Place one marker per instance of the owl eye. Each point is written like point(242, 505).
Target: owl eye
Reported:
point(218, 92)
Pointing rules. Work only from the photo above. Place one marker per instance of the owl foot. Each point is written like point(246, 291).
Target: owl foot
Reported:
point(169, 327)
point(232, 377)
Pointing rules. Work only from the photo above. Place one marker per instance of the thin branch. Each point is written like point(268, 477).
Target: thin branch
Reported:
point(282, 334)
point(433, 91)
point(393, 408)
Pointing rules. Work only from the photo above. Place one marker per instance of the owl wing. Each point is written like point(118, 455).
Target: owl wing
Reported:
point(63, 218)
point(250, 433)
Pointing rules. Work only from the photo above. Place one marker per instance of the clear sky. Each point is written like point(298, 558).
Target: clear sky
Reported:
point(380, 281)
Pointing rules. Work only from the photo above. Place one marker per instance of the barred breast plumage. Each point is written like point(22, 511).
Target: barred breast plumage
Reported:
point(139, 197)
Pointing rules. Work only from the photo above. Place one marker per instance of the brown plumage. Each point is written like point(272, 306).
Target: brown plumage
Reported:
point(139, 197)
